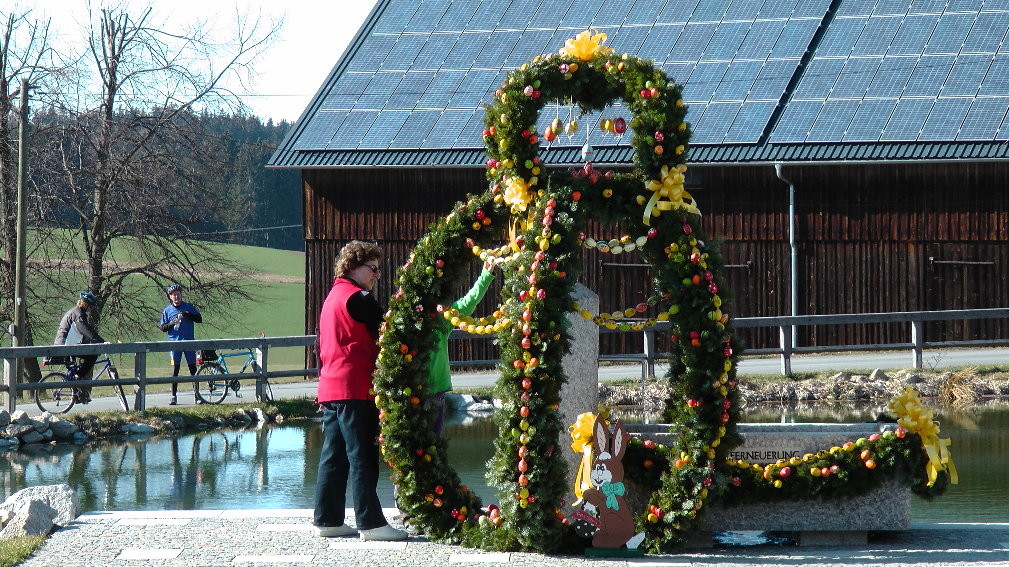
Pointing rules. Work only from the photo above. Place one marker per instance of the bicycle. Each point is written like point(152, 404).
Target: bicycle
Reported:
point(214, 390)
point(60, 399)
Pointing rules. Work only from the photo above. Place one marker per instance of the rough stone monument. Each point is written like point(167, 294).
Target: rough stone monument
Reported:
point(581, 392)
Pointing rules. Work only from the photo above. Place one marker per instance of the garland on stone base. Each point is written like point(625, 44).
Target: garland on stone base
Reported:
point(533, 222)
point(909, 451)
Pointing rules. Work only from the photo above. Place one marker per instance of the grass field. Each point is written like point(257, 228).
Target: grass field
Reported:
point(278, 309)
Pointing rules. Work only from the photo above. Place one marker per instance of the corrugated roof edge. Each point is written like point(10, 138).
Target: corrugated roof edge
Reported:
point(623, 156)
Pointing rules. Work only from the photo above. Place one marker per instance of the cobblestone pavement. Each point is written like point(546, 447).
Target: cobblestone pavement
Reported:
point(285, 538)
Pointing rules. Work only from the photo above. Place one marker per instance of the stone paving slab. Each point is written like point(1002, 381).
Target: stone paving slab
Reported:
point(285, 538)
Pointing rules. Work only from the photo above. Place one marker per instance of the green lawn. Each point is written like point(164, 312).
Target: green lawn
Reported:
point(278, 308)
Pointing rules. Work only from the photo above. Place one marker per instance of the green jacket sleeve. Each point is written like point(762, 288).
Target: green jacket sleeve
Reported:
point(467, 303)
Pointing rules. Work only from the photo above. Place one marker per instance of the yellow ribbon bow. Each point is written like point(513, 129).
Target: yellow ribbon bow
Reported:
point(916, 418)
point(586, 46)
point(517, 194)
point(670, 186)
point(581, 442)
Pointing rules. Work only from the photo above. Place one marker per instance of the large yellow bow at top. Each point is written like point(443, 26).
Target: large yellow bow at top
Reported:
point(581, 442)
point(586, 46)
point(916, 418)
point(669, 186)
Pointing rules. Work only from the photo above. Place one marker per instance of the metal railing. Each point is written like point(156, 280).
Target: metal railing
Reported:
point(915, 345)
point(140, 379)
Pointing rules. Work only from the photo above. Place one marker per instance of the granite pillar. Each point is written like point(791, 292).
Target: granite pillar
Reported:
point(581, 392)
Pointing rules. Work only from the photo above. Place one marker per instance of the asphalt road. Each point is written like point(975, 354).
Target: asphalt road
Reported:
point(770, 365)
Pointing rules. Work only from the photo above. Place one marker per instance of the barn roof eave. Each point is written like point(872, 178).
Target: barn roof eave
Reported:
point(700, 155)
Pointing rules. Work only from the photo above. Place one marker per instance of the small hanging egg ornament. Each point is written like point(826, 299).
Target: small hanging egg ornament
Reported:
point(587, 152)
point(619, 125)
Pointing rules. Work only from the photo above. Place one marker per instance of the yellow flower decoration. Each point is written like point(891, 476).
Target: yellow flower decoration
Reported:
point(669, 187)
point(586, 46)
point(517, 194)
point(581, 442)
point(916, 418)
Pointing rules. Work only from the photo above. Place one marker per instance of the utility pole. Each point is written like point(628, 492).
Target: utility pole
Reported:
point(18, 336)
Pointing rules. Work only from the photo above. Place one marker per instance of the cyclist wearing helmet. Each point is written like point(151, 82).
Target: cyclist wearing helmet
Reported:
point(177, 320)
point(74, 329)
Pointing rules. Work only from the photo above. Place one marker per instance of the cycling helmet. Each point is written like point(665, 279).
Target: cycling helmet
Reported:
point(171, 288)
point(89, 298)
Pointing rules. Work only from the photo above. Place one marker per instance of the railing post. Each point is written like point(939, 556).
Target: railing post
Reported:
point(917, 343)
point(140, 373)
point(785, 338)
point(10, 378)
point(261, 359)
point(649, 362)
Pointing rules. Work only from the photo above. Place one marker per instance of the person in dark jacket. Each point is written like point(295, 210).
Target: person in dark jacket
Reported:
point(348, 331)
point(75, 328)
point(178, 320)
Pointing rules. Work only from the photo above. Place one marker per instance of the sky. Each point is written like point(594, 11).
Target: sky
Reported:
point(313, 37)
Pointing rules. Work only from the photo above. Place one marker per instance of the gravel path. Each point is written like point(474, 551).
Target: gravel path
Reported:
point(285, 538)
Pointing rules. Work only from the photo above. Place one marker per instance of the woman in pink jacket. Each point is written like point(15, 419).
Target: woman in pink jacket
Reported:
point(348, 349)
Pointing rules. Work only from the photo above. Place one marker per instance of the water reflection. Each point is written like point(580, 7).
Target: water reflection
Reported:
point(272, 467)
point(275, 467)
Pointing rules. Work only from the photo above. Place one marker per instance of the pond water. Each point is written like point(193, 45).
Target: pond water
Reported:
point(275, 467)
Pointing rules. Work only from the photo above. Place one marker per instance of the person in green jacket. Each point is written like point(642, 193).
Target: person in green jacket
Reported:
point(439, 376)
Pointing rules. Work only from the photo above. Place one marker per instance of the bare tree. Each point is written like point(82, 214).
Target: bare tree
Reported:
point(136, 170)
point(25, 53)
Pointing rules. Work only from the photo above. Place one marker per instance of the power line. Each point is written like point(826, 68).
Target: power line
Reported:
point(244, 230)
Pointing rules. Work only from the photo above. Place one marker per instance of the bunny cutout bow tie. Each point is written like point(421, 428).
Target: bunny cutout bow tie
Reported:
point(612, 490)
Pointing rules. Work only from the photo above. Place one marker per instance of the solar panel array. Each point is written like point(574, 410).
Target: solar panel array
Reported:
point(910, 71)
point(884, 70)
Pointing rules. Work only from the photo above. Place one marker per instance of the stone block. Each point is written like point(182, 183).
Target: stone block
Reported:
point(32, 518)
point(580, 393)
point(60, 497)
point(887, 508)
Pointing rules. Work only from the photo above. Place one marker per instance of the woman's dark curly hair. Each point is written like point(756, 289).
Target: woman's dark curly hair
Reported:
point(354, 254)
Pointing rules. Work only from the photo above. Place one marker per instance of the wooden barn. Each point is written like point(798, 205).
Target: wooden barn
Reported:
point(848, 154)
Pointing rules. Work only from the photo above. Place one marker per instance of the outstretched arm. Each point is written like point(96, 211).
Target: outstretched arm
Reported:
point(467, 303)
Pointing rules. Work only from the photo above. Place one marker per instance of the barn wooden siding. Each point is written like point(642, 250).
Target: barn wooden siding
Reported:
point(871, 238)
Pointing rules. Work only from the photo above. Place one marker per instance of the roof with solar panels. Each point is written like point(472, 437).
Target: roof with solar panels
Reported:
point(764, 80)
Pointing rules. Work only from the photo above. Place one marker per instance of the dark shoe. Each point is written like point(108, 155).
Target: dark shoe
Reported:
point(174, 401)
point(198, 401)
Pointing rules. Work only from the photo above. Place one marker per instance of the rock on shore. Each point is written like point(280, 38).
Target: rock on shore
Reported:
point(964, 386)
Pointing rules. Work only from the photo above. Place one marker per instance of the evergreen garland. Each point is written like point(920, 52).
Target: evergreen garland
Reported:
point(540, 216)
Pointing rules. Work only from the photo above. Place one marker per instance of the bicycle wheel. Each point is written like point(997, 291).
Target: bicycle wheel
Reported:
point(120, 393)
point(55, 400)
point(268, 391)
point(213, 390)
point(121, 396)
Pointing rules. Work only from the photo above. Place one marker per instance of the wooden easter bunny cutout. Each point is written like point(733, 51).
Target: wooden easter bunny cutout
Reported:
point(605, 500)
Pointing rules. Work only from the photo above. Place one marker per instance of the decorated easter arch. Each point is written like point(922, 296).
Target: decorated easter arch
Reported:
point(544, 215)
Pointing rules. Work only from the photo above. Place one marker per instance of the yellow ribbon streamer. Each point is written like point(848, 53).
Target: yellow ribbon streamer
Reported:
point(581, 442)
point(670, 187)
point(916, 418)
